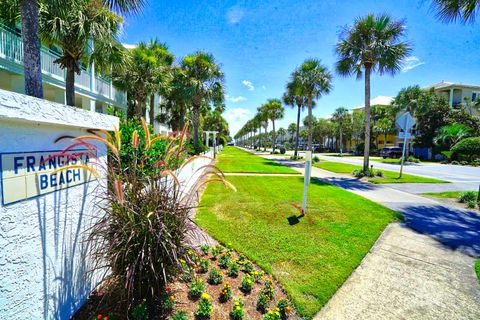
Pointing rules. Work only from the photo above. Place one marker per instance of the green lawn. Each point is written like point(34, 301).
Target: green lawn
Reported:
point(477, 268)
point(232, 159)
point(447, 194)
point(388, 176)
point(311, 257)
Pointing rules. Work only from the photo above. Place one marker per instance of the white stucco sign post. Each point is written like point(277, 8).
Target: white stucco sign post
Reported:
point(45, 212)
point(404, 122)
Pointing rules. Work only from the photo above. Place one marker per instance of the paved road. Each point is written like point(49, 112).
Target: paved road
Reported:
point(419, 269)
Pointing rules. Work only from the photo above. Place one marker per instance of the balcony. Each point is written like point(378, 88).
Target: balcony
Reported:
point(98, 88)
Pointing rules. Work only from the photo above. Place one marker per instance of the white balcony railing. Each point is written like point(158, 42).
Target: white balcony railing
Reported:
point(11, 49)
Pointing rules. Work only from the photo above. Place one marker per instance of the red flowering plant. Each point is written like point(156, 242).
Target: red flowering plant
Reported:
point(143, 226)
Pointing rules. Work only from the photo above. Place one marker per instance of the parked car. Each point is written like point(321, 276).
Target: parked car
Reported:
point(391, 152)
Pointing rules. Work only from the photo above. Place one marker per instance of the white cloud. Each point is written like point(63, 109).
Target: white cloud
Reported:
point(236, 118)
point(129, 46)
point(410, 63)
point(249, 85)
point(235, 14)
point(235, 99)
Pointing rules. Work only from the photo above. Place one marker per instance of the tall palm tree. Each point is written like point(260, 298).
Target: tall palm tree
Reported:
point(205, 85)
point(372, 44)
point(282, 132)
point(451, 10)
point(274, 111)
point(31, 37)
point(263, 119)
point(292, 129)
point(73, 29)
point(340, 117)
point(315, 81)
point(295, 97)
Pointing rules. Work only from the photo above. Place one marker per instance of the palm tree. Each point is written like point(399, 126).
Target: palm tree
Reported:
point(340, 117)
point(263, 119)
point(205, 85)
point(31, 37)
point(450, 135)
point(372, 44)
point(273, 110)
point(72, 30)
point(295, 97)
point(315, 80)
point(292, 129)
point(451, 10)
point(282, 132)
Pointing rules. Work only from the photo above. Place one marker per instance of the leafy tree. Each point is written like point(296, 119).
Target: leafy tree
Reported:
point(282, 132)
point(429, 121)
point(292, 129)
point(358, 120)
point(315, 80)
point(373, 44)
point(215, 122)
point(204, 79)
point(451, 134)
point(469, 147)
point(341, 116)
point(273, 110)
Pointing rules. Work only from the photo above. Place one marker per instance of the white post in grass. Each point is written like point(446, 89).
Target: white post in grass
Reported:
point(306, 181)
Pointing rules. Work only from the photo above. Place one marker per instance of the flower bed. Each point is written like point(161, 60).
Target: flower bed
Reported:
point(216, 283)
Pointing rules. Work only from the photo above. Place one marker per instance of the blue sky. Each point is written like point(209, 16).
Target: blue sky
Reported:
point(259, 44)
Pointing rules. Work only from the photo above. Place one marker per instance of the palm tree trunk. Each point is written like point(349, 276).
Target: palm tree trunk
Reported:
point(266, 136)
point(341, 141)
point(196, 124)
point(366, 151)
point(385, 139)
point(298, 131)
point(31, 49)
point(310, 102)
point(273, 136)
point(70, 86)
point(152, 109)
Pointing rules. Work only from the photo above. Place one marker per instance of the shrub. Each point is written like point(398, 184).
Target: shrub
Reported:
point(455, 162)
point(248, 267)
point(413, 159)
point(140, 311)
point(180, 315)
point(469, 147)
point(143, 222)
point(204, 307)
point(215, 277)
point(233, 270)
point(205, 249)
point(272, 315)
point(197, 287)
point(258, 275)
point(262, 302)
point(315, 159)
point(224, 260)
point(378, 173)
point(216, 250)
point(247, 283)
point(471, 204)
point(187, 271)
point(467, 196)
point(296, 158)
point(237, 311)
point(358, 173)
point(168, 299)
point(269, 289)
point(203, 265)
point(283, 307)
point(226, 292)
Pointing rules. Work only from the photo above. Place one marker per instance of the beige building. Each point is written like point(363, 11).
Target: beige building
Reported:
point(456, 93)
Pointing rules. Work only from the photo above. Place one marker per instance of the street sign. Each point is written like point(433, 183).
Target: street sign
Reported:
point(405, 122)
point(401, 135)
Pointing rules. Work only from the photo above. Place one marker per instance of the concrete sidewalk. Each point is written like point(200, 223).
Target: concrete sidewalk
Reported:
point(419, 269)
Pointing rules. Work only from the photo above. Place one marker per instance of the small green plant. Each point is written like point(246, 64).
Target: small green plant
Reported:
point(203, 265)
point(168, 299)
point(248, 267)
point(272, 315)
point(233, 270)
point(258, 275)
point(187, 271)
point(268, 288)
point(216, 250)
point(205, 249)
point(247, 283)
point(358, 173)
point(226, 292)
point(140, 311)
point(378, 173)
point(215, 277)
point(283, 307)
point(180, 315)
point(471, 204)
point(204, 307)
point(237, 311)
point(262, 302)
point(467, 196)
point(413, 159)
point(197, 287)
point(224, 260)
point(315, 159)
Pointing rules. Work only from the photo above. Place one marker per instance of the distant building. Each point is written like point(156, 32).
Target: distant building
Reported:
point(456, 93)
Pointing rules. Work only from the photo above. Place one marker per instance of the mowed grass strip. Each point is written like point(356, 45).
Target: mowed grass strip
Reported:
point(388, 176)
point(235, 160)
point(311, 257)
point(446, 194)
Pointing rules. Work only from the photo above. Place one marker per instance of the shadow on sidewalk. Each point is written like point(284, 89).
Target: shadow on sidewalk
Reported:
point(350, 184)
point(455, 228)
